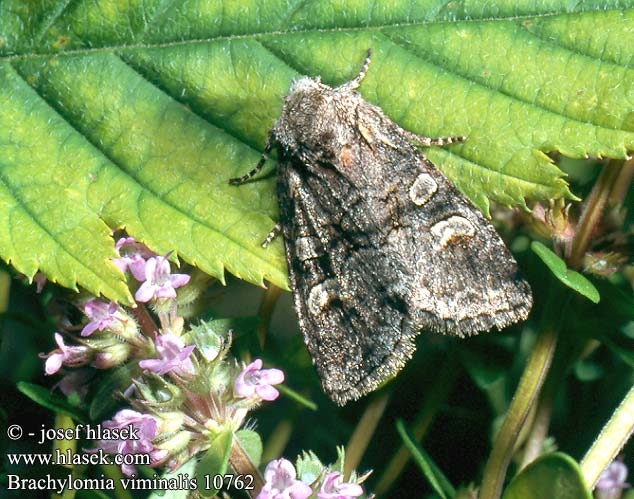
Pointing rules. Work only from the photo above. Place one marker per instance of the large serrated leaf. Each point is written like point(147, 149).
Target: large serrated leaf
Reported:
point(134, 115)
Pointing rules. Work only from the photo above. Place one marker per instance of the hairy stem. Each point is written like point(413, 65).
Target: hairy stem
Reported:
point(146, 323)
point(593, 210)
point(622, 184)
point(610, 441)
point(521, 404)
point(609, 190)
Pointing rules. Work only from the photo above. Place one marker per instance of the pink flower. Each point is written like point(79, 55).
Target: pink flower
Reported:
point(173, 353)
point(65, 355)
point(281, 483)
point(612, 481)
point(254, 381)
point(159, 281)
point(144, 428)
point(102, 315)
point(132, 256)
point(334, 488)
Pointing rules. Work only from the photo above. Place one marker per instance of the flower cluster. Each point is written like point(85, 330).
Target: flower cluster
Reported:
point(185, 392)
point(314, 480)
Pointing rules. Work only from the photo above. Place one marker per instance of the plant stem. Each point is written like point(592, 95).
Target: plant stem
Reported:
point(569, 351)
point(277, 440)
point(267, 307)
point(593, 210)
point(622, 184)
point(364, 431)
point(539, 431)
point(438, 393)
point(146, 323)
point(242, 465)
point(525, 395)
point(610, 441)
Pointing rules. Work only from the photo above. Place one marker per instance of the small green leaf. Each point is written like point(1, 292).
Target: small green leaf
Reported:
point(52, 401)
point(308, 467)
point(434, 475)
point(251, 443)
point(574, 280)
point(214, 462)
point(555, 476)
point(210, 338)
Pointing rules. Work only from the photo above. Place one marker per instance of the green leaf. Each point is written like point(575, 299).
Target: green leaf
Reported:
point(134, 115)
point(556, 476)
point(434, 475)
point(570, 278)
point(214, 462)
point(251, 443)
point(45, 398)
point(309, 467)
point(210, 338)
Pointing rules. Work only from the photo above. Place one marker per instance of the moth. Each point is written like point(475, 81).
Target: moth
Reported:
point(379, 244)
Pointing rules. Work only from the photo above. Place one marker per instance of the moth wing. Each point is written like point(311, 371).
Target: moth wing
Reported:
point(464, 279)
point(357, 331)
point(457, 274)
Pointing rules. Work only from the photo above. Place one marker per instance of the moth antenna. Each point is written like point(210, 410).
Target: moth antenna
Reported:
point(435, 141)
point(258, 167)
point(353, 84)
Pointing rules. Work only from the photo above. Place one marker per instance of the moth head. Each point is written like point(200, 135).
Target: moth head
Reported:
point(307, 104)
point(307, 95)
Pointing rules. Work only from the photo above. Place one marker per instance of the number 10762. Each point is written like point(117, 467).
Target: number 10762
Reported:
point(238, 482)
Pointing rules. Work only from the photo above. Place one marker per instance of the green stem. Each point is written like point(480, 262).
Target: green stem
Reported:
point(114, 473)
point(267, 307)
point(622, 184)
point(593, 210)
point(569, 351)
point(525, 395)
point(277, 440)
point(539, 431)
point(437, 394)
point(610, 441)
point(364, 431)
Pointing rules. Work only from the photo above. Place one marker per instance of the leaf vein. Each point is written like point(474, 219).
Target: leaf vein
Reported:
point(56, 13)
point(483, 84)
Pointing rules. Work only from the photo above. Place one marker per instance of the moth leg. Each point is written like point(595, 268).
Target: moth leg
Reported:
point(258, 167)
point(275, 231)
point(427, 141)
point(354, 83)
